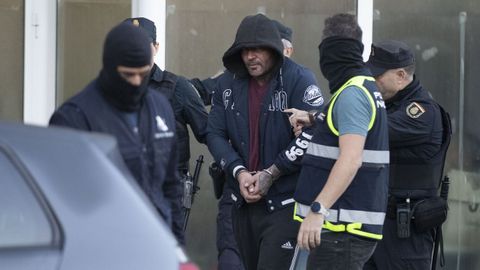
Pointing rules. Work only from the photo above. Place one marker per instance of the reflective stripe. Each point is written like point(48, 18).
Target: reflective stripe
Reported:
point(302, 210)
point(358, 82)
point(332, 152)
point(295, 215)
point(234, 198)
point(348, 216)
point(334, 227)
point(288, 201)
point(355, 228)
point(364, 217)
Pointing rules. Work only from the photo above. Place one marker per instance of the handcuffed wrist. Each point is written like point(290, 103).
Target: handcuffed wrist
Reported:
point(273, 171)
point(237, 170)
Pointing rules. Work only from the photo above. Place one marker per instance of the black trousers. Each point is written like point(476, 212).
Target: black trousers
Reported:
point(265, 240)
point(228, 254)
point(394, 253)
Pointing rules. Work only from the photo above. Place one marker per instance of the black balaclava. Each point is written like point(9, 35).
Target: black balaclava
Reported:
point(129, 46)
point(341, 59)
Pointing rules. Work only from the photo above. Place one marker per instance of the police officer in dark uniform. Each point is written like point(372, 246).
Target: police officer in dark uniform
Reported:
point(118, 102)
point(188, 108)
point(418, 135)
point(185, 100)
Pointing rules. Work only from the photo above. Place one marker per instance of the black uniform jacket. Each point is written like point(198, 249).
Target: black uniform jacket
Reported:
point(149, 153)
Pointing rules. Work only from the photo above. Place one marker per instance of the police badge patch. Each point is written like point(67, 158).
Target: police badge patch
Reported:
point(414, 110)
point(313, 96)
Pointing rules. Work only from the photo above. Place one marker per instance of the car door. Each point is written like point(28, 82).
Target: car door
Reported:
point(30, 236)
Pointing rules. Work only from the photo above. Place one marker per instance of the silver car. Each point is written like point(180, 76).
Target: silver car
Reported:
point(67, 201)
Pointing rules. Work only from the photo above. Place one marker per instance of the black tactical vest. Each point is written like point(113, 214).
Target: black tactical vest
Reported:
point(419, 177)
point(167, 86)
point(361, 208)
point(147, 153)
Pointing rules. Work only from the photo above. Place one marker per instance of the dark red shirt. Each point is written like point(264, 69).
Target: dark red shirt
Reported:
point(256, 94)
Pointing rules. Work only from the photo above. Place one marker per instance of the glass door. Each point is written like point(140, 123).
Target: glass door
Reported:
point(82, 27)
point(11, 66)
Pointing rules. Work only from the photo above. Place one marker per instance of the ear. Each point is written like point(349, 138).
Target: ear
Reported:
point(402, 74)
point(156, 47)
point(288, 51)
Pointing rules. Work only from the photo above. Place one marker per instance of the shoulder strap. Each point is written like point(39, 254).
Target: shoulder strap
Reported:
point(169, 77)
point(447, 135)
point(167, 85)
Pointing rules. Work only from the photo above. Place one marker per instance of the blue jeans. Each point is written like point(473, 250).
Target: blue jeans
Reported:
point(340, 251)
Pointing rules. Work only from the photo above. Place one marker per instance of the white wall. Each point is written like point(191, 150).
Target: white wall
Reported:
point(365, 20)
point(40, 49)
point(154, 10)
point(39, 61)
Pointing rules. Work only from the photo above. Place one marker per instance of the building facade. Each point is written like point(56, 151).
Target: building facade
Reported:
point(51, 49)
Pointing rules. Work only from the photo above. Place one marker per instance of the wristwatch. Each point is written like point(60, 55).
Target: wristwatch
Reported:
point(318, 208)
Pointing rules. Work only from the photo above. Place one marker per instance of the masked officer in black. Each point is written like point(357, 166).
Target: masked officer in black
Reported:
point(187, 105)
point(118, 102)
point(418, 135)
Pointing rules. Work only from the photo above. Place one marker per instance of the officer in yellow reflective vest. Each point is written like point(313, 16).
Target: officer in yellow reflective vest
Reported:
point(343, 183)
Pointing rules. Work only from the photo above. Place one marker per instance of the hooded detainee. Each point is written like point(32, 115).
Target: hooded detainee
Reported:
point(250, 136)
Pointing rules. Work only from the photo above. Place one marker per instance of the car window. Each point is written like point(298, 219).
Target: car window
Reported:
point(22, 220)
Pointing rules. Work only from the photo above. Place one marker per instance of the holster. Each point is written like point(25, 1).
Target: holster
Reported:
point(429, 213)
point(425, 214)
point(218, 177)
point(188, 190)
point(404, 216)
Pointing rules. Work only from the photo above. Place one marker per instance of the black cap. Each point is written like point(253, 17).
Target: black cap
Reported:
point(146, 25)
point(389, 54)
point(126, 45)
point(285, 31)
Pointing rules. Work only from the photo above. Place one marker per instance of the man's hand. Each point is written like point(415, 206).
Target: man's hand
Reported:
point(298, 118)
point(247, 184)
point(309, 234)
point(264, 179)
point(298, 130)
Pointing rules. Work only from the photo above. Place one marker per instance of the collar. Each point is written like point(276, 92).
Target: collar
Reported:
point(412, 88)
point(156, 74)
